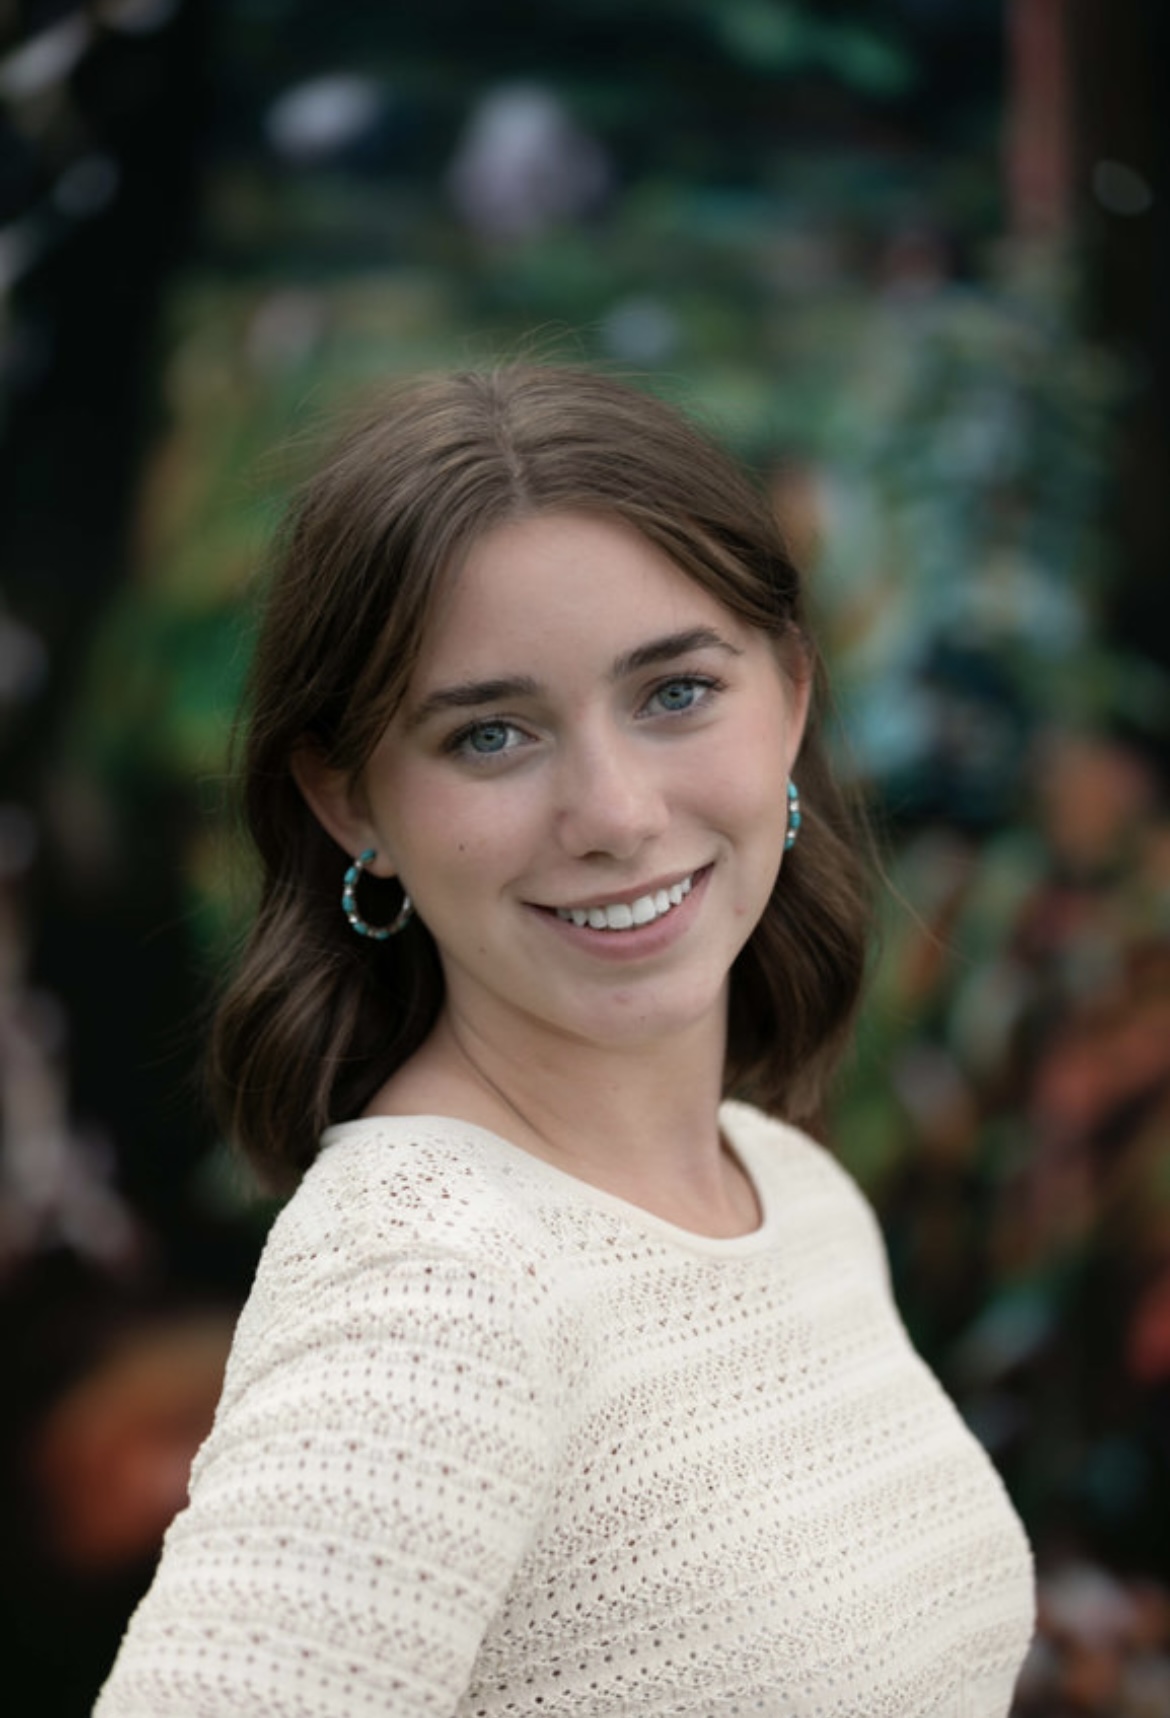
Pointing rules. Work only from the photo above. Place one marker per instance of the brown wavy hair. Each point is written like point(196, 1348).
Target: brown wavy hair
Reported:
point(316, 1018)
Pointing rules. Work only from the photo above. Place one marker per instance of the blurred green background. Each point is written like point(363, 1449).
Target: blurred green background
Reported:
point(910, 260)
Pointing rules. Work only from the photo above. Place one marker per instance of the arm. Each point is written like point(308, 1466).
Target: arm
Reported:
point(378, 1463)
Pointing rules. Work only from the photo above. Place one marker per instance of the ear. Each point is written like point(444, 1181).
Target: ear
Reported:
point(337, 803)
point(801, 694)
point(800, 686)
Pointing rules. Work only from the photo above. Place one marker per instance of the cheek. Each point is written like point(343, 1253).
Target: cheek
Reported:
point(750, 802)
point(750, 812)
point(763, 817)
point(439, 826)
point(751, 778)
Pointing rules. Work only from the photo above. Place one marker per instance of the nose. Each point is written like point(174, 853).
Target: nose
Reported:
point(612, 798)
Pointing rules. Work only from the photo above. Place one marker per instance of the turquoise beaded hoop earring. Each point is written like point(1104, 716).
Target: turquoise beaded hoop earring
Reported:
point(794, 817)
point(379, 933)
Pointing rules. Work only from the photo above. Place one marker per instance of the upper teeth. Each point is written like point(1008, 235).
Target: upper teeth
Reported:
point(624, 914)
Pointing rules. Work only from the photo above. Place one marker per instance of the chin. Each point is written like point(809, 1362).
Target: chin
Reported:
point(636, 1022)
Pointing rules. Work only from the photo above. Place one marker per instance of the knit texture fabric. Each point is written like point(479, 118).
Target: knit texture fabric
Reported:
point(495, 1444)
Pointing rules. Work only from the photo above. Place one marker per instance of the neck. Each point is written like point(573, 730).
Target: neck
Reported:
point(642, 1124)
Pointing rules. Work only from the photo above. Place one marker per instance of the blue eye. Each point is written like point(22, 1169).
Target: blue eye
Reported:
point(679, 695)
point(676, 697)
point(485, 739)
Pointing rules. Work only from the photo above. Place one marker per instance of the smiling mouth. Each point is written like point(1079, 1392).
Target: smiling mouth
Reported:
point(628, 915)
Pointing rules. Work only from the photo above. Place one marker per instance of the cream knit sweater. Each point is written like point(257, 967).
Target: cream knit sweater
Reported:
point(495, 1443)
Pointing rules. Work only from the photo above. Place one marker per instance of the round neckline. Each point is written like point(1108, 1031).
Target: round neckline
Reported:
point(586, 1192)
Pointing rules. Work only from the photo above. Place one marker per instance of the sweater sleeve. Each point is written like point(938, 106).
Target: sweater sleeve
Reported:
point(378, 1465)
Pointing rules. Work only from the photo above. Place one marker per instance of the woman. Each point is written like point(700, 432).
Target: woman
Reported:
point(567, 1384)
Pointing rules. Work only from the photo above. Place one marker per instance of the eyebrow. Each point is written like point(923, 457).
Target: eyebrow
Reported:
point(469, 694)
point(666, 649)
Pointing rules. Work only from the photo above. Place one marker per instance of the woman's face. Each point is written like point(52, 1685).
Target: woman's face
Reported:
point(584, 790)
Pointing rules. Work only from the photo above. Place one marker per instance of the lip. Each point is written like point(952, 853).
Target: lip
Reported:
point(627, 897)
point(640, 941)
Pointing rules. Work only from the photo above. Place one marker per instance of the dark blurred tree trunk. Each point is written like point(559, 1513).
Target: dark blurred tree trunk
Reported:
point(79, 408)
point(1121, 79)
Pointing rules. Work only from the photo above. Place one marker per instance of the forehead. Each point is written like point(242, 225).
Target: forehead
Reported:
point(588, 582)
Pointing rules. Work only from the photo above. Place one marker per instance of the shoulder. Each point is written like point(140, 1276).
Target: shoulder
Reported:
point(782, 1146)
point(802, 1178)
point(399, 1226)
point(397, 1181)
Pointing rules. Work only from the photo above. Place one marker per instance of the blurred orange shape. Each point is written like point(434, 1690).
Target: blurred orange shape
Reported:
point(113, 1453)
point(1147, 1348)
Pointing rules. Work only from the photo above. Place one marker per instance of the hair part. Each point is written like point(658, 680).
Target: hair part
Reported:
point(316, 1018)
